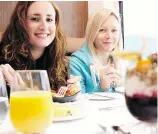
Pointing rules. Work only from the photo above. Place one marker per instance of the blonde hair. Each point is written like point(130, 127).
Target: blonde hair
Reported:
point(93, 27)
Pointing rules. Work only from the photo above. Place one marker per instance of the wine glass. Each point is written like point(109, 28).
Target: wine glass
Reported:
point(141, 92)
point(3, 98)
point(31, 101)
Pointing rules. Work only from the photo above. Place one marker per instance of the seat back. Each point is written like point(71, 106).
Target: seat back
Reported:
point(73, 44)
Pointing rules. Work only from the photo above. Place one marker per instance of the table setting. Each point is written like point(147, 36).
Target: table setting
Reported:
point(108, 113)
point(88, 113)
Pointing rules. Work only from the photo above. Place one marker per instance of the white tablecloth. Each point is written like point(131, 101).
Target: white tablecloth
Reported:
point(111, 112)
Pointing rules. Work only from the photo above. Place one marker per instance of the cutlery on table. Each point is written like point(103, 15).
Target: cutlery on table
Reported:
point(102, 127)
point(100, 95)
point(111, 108)
point(115, 128)
point(113, 86)
point(93, 99)
point(118, 129)
point(107, 130)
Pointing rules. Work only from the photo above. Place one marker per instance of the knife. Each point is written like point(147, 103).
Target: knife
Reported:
point(102, 96)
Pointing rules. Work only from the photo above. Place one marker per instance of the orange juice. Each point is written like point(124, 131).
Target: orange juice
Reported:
point(31, 111)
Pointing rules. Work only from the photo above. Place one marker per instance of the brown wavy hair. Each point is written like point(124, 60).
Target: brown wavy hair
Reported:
point(16, 50)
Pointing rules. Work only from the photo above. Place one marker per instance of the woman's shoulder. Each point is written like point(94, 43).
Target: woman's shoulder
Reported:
point(83, 51)
point(82, 55)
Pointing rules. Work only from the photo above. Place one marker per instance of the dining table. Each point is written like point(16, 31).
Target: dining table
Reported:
point(100, 108)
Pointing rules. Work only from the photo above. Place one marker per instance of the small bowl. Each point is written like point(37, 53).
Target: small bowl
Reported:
point(67, 98)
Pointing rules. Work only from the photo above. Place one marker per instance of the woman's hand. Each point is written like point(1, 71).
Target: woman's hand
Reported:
point(73, 80)
point(109, 74)
point(74, 83)
point(8, 73)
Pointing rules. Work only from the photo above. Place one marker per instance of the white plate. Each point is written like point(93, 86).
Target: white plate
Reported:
point(80, 103)
point(69, 118)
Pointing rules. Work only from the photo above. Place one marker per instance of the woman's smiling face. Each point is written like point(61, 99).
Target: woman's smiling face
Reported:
point(40, 24)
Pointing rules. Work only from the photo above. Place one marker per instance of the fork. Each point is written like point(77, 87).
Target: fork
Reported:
point(62, 90)
point(113, 86)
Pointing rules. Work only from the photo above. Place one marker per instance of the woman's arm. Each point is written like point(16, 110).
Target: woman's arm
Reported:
point(75, 70)
point(78, 68)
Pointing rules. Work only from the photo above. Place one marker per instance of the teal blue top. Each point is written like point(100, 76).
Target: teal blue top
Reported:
point(80, 62)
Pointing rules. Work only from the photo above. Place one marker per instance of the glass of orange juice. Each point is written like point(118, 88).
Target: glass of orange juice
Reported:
point(31, 102)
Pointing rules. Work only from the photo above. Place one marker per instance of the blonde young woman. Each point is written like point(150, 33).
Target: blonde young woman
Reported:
point(95, 62)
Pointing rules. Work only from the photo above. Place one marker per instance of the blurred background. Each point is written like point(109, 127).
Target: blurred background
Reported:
point(138, 18)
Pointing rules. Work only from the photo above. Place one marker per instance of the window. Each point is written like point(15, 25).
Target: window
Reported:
point(140, 19)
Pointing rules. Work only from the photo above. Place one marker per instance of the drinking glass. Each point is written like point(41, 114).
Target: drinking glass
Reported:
point(3, 99)
point(31, 102)
point(141, 93)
